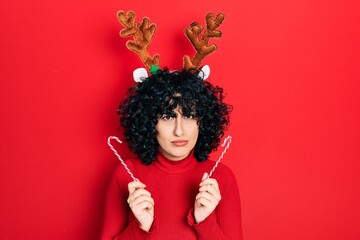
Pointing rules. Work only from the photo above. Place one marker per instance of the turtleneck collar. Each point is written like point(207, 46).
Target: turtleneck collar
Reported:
point(175, 167)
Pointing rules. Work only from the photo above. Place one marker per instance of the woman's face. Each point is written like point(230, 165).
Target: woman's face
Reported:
point(177, 134)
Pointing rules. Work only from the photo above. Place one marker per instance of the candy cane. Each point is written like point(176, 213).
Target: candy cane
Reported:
point(228, 141)
point(122, 161)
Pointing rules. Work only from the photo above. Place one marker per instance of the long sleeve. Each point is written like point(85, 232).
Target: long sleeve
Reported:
point(119, 223)
point(225, 222)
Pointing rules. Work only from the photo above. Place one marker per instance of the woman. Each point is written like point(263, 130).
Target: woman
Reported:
point(172, 121)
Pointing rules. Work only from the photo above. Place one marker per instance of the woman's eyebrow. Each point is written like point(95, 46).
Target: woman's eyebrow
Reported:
point(170, 112)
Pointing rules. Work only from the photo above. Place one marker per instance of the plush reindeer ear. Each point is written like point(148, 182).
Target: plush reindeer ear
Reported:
point(201, 42)
point(204, 72)
point(140, 74)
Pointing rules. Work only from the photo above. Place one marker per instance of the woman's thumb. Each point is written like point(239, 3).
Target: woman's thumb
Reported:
point(204, 176)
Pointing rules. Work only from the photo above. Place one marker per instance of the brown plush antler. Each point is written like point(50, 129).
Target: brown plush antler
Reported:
point(201, 45)
point(142, 33)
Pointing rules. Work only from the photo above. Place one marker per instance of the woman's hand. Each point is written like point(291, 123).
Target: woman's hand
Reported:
point(141, 204)
point(207, 199)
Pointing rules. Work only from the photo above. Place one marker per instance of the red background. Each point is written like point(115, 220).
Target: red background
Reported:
point(289, 68)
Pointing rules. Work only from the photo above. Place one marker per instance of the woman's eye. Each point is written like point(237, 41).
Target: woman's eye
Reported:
point(167, 117)
point(189, 117)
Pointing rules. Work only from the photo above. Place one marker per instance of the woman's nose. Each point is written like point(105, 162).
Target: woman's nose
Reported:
point(179, 131)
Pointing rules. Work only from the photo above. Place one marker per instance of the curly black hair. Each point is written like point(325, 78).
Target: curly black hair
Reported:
point(161, 93)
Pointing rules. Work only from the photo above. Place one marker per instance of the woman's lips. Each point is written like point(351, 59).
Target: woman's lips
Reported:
point(179, 143)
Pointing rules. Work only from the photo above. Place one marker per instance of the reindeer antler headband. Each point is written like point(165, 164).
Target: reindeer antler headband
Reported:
point(143, 33)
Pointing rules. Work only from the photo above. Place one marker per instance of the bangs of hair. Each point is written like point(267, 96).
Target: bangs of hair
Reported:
point(185, 102)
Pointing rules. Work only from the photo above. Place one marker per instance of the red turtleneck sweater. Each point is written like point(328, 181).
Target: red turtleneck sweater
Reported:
point(173, 186)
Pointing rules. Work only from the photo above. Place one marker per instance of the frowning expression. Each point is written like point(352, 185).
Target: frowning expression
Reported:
point(177, 134)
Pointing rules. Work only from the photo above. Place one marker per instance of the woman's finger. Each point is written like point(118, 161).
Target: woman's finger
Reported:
point(212, 190)
point(146, 204)
point(208, 196)
point(210, 181)
point(132, 186)
point(140, 199)
point(207, 204)
point(137, 193)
